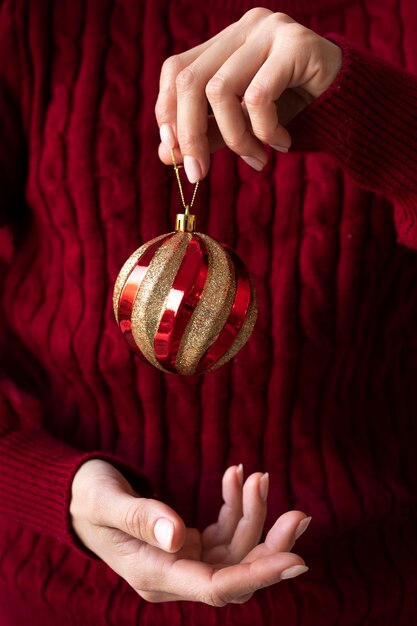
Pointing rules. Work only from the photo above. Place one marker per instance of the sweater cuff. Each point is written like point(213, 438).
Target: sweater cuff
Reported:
point(366, 120)
point(313, 128)
point(36, 477)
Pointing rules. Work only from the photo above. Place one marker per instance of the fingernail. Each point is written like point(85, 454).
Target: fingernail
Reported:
point(164, 531)
point(280, 148)
point(239, 472)
point(294, 571)
point(302, 526)
point(255, 163)
point(192, 169)
point(167, 136)
point(264, 486)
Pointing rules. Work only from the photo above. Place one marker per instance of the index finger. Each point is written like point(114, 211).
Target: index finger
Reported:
point(166, 103)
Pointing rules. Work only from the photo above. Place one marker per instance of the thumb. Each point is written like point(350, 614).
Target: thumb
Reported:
point(146, 519)
point(151, 521)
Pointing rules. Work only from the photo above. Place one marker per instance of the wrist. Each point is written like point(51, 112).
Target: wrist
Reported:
point(333, 56)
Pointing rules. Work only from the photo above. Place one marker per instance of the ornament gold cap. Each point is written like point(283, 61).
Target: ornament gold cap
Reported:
point(185, 222)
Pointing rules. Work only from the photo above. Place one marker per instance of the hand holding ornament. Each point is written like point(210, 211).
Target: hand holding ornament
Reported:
point(257, 74)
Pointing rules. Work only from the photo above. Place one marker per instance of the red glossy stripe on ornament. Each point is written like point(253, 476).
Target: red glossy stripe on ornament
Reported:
point(195, 263)
point(237, 315)
point(129, 293)
point(182, 300)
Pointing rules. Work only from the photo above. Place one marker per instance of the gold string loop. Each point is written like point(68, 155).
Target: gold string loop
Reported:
point(187, 207)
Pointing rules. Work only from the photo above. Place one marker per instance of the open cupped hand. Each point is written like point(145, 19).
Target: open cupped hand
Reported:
point(147, 543)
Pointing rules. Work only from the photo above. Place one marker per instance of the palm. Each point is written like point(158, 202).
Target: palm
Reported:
point(237, 530)
point(213, 566)
point(224, 563)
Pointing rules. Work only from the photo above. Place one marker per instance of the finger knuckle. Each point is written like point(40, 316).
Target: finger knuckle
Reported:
point(216, 88)
point(280, 18)
point(294, 38)
point(137, 521)
point(186, 80)
point(254, 15)
point(236, 142)
point(170, 67)
point(266, 135)
point(304, 38)
point(256, 95)
point(214, 598)
point(188, 142)
point(299, 34)
point(243, 599)
point(261, 583)
point(161, 109)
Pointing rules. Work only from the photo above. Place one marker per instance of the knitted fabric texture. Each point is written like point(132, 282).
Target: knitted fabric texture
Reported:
point(322, 396)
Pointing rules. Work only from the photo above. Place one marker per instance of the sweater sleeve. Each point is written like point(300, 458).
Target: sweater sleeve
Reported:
point(36, 469)
point(367, 120)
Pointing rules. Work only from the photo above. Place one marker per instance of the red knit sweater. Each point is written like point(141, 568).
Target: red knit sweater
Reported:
point(323, 396)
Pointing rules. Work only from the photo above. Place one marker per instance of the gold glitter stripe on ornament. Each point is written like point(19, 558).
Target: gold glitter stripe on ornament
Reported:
point(125, 271)
point(151, 299)
point(212, 311)
point(245, 331)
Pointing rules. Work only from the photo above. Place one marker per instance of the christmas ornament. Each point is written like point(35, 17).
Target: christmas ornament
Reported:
point(184, 302)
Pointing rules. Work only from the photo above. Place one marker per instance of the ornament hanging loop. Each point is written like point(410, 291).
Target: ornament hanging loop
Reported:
point(184, 222)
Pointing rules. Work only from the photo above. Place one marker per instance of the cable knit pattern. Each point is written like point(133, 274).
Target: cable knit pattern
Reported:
point(322, 396)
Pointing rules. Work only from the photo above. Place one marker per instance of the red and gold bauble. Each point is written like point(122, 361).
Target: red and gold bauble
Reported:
point(184, 302)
